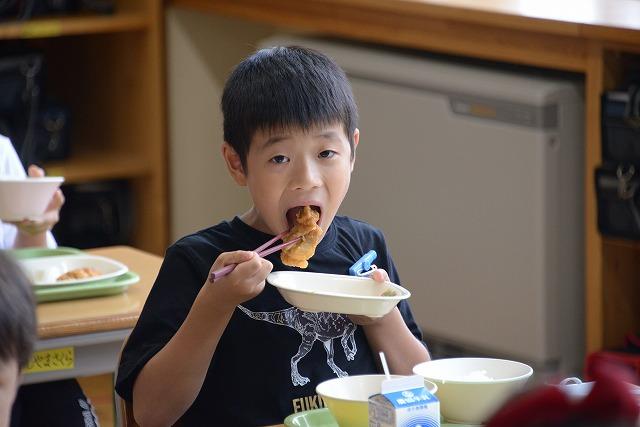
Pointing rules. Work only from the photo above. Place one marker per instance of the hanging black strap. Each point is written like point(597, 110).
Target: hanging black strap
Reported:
point(19, 104)
point(31, 96)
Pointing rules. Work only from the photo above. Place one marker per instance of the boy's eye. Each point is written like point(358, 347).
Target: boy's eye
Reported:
point(279, 159)
point(327, 154)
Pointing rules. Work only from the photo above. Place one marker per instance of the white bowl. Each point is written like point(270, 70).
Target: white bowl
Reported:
point(470, 390)
point(348, 398)
point(26, 198)
point(337, 293)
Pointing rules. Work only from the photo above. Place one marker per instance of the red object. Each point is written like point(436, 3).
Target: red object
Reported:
point(610, 402)
point(630, 360)
point(543, 406)
point(632, 342)
point(610, 399)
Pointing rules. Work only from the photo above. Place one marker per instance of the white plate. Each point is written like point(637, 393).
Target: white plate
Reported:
point(336, 293)
point(44, 271)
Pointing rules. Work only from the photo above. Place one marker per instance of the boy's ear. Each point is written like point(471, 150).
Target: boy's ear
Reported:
point(234, 165)
point(356, 140)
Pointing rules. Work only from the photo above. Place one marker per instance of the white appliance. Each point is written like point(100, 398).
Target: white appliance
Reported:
point(475, 176)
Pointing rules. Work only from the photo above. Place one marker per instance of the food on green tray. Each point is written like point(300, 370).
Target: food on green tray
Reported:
point(78, 273)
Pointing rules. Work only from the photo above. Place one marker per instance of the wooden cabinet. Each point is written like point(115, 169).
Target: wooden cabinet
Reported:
point(109, 69)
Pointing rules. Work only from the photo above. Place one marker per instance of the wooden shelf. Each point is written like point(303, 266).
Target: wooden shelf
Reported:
point(621, 243)
point(108, 71)
point(73, 25)
point(93, 165)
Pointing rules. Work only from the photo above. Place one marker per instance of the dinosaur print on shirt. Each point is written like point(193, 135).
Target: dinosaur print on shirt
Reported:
point(312, 327)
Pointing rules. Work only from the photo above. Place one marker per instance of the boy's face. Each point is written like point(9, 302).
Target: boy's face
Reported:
point(293, 168)
point(9, 381)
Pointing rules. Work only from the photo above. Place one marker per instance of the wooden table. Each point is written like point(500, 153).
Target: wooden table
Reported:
point(599, 39)
point(95, 327)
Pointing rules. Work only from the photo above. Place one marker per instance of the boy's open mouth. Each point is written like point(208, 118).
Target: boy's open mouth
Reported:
point(291, 214)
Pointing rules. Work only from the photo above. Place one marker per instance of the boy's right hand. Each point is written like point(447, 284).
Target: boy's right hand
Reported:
point(244, 282)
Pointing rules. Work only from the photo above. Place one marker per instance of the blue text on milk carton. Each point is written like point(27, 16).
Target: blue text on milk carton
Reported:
point(414, 407)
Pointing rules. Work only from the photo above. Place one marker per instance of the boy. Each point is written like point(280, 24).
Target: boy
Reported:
point(17, 331)
point(234, 352)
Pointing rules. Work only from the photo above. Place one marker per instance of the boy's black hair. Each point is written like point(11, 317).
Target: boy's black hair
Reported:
point(282, 88)
point(17, 313)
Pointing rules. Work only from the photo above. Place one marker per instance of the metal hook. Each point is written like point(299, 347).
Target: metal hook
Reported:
point(626, 190)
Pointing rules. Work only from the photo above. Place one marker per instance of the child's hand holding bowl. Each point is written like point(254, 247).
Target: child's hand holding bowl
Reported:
point(379, 275)
point(51, 215)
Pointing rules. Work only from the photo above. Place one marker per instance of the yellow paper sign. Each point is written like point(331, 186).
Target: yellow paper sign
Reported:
point(54, 359)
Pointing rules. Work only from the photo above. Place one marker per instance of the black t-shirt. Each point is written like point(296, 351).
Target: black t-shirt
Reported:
point(271, 355)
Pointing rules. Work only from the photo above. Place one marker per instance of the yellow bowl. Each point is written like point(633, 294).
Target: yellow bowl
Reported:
point(471, 389)
point(348, 398)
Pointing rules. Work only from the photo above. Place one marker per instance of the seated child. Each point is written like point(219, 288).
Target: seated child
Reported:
point(234, 352)
point(17, 331)
point(27, 233)
point(56, 403)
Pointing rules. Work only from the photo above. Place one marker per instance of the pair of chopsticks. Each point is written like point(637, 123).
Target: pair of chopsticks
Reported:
point(261, 250)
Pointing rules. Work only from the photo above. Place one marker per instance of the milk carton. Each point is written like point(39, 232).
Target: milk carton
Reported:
point(404, 402)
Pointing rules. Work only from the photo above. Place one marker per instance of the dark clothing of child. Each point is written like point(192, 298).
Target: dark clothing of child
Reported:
point(271, 355)
point(53, 404)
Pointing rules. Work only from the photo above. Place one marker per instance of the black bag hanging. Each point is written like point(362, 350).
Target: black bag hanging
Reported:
point(621, 126)
point(96, 214)
point(20, 86)
point(18, 9)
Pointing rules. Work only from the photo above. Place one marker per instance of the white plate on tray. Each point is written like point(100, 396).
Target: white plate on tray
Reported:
point(45, 270)
point(337, 293)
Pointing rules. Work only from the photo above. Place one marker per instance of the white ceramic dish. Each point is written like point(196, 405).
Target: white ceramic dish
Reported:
point(44, 271)
point(471, 389)
point(26, 198)
point(335, 293)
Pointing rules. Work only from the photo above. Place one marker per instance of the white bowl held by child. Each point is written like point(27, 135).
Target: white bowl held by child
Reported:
point(26, 198)
point(337, 293)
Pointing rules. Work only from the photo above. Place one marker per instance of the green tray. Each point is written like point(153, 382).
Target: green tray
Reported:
point(85, 290)
point(28, 253)
point(313, 418)
point(323, 418)
point(104, 287)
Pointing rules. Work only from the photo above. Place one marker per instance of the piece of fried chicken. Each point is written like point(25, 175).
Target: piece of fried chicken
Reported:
point(306, 227)
point(78, 273)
